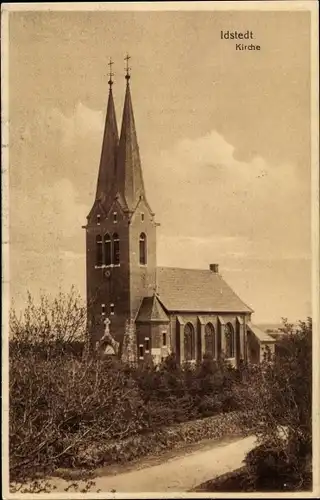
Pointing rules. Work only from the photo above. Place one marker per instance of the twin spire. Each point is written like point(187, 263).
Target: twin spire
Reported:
point(127, 69)
point(120, 170)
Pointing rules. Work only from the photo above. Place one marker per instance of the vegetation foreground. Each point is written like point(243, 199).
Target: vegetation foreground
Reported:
point(72, 409)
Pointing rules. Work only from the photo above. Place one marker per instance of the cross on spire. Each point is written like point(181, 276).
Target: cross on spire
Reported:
point(110, 64)
point(127, 68)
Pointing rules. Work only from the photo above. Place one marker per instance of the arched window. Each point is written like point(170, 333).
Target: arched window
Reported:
point(107, 250)
point(116, 249)
point(143, 249)
point(98, 250)
point(189, 342)
point(229, 340)
point(210, 340)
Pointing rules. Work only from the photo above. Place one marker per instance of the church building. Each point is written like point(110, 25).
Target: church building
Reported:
point(189, 312)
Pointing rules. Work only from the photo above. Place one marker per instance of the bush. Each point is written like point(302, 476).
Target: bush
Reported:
point(57, 405)
point(269, 468)
point(182, 393)
point(64, 408)
point(278, 395)
point(64, 399)
point(50, 328)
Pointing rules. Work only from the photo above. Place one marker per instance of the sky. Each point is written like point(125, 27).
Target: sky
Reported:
point(224, 140)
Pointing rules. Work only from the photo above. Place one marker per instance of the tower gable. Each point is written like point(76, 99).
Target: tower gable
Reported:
point(142, 209)
point(116, 212)
point(97, 212)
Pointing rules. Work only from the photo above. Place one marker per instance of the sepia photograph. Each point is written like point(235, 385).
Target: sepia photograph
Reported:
point(160, 277)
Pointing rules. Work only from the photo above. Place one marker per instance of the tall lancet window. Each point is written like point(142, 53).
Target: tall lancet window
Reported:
point(116, 249)
point(98, 250)
point(189, 342)
point(143, 249)
point(107, 250)
point(209, 339)
point(229, 340)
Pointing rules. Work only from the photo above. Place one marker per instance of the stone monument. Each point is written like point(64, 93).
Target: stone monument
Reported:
point(107, 344)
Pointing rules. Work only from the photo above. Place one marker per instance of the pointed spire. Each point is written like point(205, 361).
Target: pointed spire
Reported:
point(110, 143)
point(129, 173)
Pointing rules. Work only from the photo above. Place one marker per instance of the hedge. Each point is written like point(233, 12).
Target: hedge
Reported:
point(167, 438)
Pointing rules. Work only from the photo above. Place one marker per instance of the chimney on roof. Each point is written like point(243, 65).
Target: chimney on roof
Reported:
point(214, 268)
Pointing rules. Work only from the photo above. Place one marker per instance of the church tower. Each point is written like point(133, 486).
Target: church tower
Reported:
point(121, 229)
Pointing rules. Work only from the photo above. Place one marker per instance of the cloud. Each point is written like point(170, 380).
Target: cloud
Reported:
point(246, 215)
point(198, 188)
point(201, 190)
point(83, 124)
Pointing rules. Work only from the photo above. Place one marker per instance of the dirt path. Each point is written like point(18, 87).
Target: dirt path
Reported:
point(178, 474)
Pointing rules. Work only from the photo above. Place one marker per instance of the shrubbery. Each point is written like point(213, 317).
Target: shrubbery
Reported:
point(276, 398)
point(64, 399)
point(161, 439)
point(59, 404)
point(269, 468)
point(278, 395)
point(176, 393)
point(70, 408)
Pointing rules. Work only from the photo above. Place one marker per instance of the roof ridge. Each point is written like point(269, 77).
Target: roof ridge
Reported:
point(188, 269)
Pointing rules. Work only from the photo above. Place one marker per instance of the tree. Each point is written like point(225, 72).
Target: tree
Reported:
point(57, 323)
point(277, 396)
point(62, 402)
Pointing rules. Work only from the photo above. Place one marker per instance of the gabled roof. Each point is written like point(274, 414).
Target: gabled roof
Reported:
point(262, 336)
point(151, 311)
point(196, 290)
point(97, 208)
point(114, 202)
point(143, 199)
